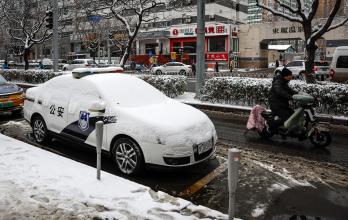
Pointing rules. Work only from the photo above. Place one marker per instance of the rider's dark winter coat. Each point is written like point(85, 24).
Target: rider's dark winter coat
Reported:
point(281, 94)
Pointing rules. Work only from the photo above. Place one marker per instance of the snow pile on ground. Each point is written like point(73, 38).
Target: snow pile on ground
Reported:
point(36, 184)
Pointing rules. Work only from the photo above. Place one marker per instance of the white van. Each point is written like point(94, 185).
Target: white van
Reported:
point(339, 65)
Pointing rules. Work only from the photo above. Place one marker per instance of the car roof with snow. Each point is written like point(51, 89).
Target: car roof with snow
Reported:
point(125, 90)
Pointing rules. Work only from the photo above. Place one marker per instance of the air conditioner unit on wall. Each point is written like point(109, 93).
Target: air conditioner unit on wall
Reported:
point(188, 20)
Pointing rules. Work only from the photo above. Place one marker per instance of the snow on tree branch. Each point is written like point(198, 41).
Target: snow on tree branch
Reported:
point(278, 13)
point(325, 28)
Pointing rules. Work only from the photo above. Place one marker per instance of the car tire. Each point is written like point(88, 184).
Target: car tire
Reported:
point(182, 72)
point(65, 69)
point(40, 131)
point(158, 72)
point(17, 112)
point(277, 72)
point(128, 156)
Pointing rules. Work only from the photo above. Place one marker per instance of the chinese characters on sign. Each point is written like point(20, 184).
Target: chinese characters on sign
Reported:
point(217, 57)
point(220, 29)
point(60, 111)
point(285, 30)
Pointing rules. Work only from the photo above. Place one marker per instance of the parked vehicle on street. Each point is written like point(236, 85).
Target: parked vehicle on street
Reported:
point(339, 65)
point(298, 69)
point(79, 63)
point(301, 124)
point(11, 97)
point(172, 68)
point(141, 124)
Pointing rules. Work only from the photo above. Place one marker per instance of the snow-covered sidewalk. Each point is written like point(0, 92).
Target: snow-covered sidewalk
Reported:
point(37, 184)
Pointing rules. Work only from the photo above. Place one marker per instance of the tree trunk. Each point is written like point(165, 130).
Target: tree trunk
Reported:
point(309, 64)
point(26, 57)
point(127, 52)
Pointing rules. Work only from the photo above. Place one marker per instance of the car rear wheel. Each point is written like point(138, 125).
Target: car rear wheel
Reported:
point(128, 156)
point(40, 131)
point(65, 69)
point(159, 72)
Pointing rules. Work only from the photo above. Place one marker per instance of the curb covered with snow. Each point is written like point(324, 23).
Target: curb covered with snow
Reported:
point(36, 184)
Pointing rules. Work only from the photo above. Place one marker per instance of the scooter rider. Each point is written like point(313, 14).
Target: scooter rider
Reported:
point(280, 96)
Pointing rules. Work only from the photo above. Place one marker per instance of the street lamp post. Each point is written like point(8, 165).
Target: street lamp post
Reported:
point(55, 35)
point(200, 65)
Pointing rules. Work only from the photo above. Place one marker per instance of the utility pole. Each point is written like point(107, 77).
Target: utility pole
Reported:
point(200, 67)
point(55, 35)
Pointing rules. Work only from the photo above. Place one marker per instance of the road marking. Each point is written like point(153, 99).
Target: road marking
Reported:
point(204, 181)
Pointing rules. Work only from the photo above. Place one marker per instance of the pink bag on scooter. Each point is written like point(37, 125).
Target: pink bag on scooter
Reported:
point(256, 121)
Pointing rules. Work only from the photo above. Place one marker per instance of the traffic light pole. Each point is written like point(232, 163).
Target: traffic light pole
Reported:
point(200, 67)
point(55, 35)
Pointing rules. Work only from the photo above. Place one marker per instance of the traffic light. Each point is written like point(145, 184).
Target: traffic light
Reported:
point(49, 19)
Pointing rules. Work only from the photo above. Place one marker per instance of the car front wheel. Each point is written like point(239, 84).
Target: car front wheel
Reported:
point(159, 72)
point(40, 131)
point(128, 156)
point(182, 72)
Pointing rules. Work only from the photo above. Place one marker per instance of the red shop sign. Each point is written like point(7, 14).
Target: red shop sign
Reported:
point(217, 56)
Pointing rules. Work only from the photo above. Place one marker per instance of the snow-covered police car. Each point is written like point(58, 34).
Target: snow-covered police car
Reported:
point(141, 125)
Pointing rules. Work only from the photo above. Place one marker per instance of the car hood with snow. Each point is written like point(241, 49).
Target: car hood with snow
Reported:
point(174, 123)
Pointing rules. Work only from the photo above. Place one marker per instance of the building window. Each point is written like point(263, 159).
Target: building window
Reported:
point(150, 48)
point(176, 46)
point(190, 47)
point(217, 44)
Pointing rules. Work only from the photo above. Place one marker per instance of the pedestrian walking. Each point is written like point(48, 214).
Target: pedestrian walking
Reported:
point(40, 65)
point(5, 65)
point(193, 69)
point(217, 66)
point(277, 63)
point(231, 65)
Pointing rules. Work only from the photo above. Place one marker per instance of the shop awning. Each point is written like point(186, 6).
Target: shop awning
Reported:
point(280, 47)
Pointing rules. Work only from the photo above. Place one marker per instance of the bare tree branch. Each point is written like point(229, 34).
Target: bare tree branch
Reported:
point(277, 13)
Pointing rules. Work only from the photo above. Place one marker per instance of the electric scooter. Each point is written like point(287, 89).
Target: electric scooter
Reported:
point(301, 124)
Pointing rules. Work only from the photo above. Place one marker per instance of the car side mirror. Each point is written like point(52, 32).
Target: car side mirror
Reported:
point(98, 106)
point(164, 65)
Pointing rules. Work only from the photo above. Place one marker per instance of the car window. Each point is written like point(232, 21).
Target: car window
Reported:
point(77, 62)
point(294, 63)
point(318, 63)
point(169, 64)
point(342, 62)
point(91, 62)
point(127, 91)
point(67, 85)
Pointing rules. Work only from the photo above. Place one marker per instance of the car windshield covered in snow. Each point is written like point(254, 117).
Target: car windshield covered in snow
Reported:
point(126, 91)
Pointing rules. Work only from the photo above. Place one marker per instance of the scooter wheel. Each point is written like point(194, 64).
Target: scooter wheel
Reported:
point(320, 139)
point(265, 133)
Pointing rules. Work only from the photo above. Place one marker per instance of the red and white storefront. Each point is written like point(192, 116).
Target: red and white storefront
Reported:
point(183, 40)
